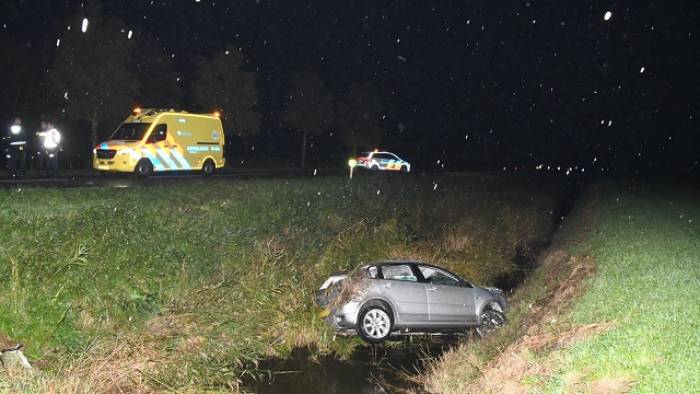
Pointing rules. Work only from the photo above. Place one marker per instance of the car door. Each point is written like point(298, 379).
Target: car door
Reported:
point(400, 285)
point(450, 299)
point(394, 162)
point(382, 160)
point(160, 147)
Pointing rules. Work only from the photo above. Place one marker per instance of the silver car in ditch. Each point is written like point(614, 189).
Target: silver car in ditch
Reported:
point(405, 297)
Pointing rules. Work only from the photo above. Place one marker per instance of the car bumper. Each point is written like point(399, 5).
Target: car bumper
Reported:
point(116, 164)
point(341, 318)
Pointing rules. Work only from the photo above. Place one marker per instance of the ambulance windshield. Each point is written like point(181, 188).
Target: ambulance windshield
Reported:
point(130, 131)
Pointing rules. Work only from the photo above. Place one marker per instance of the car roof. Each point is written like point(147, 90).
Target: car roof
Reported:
point(400, 261)
point(409, 261)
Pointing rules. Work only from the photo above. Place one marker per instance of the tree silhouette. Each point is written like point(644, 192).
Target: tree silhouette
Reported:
point(310, 108)
point(158, 83)
point(224, 84)
point(359, 117)
point(90, 76)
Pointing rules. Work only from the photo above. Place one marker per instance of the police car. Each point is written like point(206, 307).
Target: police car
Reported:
point(382, 161)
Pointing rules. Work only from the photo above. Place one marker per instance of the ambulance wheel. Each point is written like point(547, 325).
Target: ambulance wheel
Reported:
point(144, 168)
point(208, 167)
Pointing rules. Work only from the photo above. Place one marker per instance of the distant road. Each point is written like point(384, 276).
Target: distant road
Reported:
point(127, 180)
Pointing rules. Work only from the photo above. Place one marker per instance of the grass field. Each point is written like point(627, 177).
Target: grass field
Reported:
point(187, 286)
point(635, 326)
point(647, 244)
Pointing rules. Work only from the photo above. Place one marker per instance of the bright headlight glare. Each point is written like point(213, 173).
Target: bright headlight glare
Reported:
point(352, 162)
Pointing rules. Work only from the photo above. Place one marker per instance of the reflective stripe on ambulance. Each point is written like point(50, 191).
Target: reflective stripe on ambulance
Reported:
point(166, 157)
point(180, 159)
point(157, 166)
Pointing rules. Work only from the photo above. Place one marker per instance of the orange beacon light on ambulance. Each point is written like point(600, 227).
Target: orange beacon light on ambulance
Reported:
point(154, 140)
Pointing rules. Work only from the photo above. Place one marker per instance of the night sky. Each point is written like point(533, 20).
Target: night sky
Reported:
point(464, 84)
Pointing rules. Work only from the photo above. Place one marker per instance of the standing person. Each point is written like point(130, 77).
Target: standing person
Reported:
point(16, 151)
point(51, 139)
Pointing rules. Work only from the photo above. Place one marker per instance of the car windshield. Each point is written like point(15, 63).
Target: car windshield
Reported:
point(130, 131)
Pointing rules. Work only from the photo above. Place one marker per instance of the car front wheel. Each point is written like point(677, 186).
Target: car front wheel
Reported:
point(144, 168)
point(490, 321)
point(374, 325)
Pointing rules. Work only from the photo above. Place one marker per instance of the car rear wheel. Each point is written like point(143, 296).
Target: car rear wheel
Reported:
point(490, 321)
point(404, 169)
point(374, 324)
point(144, 168)
point(208, 167)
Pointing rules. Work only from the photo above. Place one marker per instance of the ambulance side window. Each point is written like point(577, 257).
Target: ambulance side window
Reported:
point(159, 133)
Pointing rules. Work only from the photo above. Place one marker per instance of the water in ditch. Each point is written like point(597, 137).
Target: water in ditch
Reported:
point(371, 369)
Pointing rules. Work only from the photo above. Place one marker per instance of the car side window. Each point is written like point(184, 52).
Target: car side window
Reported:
point(438, 277)
point(159, 133)
point(372, 272)
point(398, 272)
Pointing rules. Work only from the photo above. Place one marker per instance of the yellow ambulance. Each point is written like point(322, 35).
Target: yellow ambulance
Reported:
point(153, 140)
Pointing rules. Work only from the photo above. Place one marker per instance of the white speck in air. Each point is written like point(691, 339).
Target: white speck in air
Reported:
point(58, 42)
point(379, 192)
point(130, 34)
point(609, 123)
point(641, 70)
point(435, 186)
point(85, 25)
point(65, 95)
point(607, 16)
point(315, 172)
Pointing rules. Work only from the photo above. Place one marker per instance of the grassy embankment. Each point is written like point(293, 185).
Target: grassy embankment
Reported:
point(632, 323)
point(186, 286)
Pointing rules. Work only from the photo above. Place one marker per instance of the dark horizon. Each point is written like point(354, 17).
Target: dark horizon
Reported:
point(464, 85)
